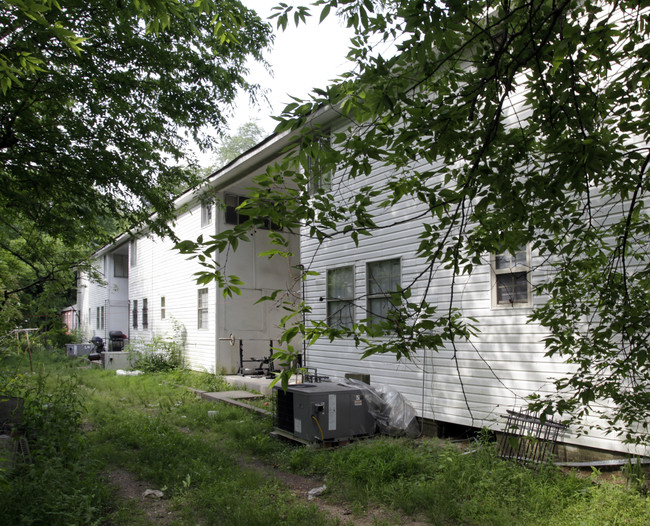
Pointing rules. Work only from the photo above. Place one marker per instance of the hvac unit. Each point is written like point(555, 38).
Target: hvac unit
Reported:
point(322, 412)
point(77, 349)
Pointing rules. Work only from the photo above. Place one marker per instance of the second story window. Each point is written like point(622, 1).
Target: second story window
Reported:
point(206, 213)
point(233, 216)
point(133, 253)
point(120, 266)
point(320, 177)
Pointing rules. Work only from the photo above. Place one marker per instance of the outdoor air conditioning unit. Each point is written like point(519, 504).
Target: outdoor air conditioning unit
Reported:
point(77, 349)
point(322, 412)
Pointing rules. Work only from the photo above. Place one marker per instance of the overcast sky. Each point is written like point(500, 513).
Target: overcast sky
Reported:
point(302, 58)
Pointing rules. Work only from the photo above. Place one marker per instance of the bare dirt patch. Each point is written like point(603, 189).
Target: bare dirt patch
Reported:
point(300, 486)
point(129, 488)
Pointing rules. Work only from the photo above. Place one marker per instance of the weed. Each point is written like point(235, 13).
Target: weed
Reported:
point(159, 353)
point(162, 433)
point(635, 475)
point(59, 485)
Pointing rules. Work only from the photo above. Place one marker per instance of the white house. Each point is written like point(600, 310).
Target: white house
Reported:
point(472, 383)
point(149, 289)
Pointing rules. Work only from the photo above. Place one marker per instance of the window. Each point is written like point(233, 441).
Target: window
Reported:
point(133, 252)
point(145, 313)
point(98, 322)
point(206, 213)
point(135, 314)
point(340, 297)
point(383, 279)
point(120, 266)
point(511, 283)
point(233, 217)
point(162, 307)
point(101, 317)
point(319, 178)
point(203, 309)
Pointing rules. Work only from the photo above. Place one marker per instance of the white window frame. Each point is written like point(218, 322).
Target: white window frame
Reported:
point(318, 179)
point(133, 253)
point(202, 310)
point(513, 268)
point(163, 309)
point(207, 214)
point(336, 304)
point(385, 295)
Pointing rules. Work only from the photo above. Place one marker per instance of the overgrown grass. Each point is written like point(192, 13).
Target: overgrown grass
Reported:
point(441, 482)
point(163, 434)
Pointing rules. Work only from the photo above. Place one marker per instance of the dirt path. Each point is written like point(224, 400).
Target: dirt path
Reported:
point(158, 512)
point(130, 489)
point(300, 486)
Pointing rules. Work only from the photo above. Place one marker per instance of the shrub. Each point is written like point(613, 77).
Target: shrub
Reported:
point(159, 353)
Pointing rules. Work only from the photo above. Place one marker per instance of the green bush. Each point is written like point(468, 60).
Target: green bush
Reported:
point(57, 483)
point(156, 355)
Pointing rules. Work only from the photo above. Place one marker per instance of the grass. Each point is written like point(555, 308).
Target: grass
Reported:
point(162, 433)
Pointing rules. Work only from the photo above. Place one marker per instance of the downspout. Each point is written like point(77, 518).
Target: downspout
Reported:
point(218, 327)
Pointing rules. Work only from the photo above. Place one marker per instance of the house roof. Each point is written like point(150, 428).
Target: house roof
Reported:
point(236, 170)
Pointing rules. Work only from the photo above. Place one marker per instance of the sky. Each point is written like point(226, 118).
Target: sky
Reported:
point(301, 59)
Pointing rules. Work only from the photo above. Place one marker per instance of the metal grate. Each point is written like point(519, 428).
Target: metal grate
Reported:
point(526, 438)
point(284, 410)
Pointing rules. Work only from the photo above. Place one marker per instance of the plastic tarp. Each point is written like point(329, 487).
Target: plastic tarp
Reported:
point(394, 414)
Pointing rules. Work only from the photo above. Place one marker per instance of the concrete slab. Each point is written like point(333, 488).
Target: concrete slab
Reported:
point(221, 397)
point(231, 395)
point(250, 383)
point(253, 383)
